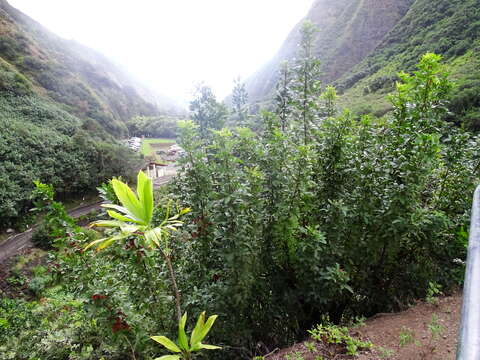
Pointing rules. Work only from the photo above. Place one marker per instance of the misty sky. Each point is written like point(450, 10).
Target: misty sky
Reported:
point(171, 44)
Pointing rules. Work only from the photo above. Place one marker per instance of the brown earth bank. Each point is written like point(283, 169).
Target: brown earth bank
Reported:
point(426, 331)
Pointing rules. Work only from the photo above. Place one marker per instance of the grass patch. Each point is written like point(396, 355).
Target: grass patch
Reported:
point(149, 146)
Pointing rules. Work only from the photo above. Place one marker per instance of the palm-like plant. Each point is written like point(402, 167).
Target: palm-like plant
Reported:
point(134, 217)
point(185, 349)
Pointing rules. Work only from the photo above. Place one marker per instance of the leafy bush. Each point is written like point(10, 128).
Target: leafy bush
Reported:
point(40, 141)
point(161, 127)
point(339, 335)
point(56, 224)
point(12, 81)
point(327, 216)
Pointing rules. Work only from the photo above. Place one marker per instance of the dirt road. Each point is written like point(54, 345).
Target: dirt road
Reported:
point(16, 243)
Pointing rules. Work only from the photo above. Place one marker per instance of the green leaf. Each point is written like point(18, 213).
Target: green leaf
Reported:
point(209, 347)
point(129, 229)
point(208, 325)
point(196, 333)
point(169, 344)
point(120, 217)
point(200, 346)
point(182, 336)
point(169, 357)
point(105, 242)
point(153, 237)
point(128, 199)
point(120, 209)
point(93, 243)
point(145, 195)
point(185, 211)
point(106, 223)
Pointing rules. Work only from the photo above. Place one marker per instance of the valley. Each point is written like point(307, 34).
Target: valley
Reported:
point(321, 211)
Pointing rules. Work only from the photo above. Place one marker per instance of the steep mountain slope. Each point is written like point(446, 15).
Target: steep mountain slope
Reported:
point(87, 84)
point(363, 44)
point(447, 27)
point(61, 107)
point(348, 31)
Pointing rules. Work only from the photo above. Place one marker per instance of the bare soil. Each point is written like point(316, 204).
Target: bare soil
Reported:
point(16, 271)
point(426, 331)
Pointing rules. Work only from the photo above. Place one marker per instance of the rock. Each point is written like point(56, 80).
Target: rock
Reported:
point(9, 231)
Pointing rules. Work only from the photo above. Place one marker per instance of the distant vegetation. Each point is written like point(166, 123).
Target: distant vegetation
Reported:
point(153, 127)
point(450, 28)
point(62, 106)
point(362, 47)
point(39, 141)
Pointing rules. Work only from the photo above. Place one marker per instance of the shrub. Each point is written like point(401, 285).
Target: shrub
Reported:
point(358, 219)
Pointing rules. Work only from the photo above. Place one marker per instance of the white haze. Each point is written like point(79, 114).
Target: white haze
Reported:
point(172, 44)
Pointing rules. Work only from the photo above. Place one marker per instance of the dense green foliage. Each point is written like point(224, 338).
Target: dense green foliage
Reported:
point(317, 214)
point(152, 127)
point(56, 223)
point(61, 105)
point(358, 219)
point(89, 305)
point(449, 28)
point(40, 141)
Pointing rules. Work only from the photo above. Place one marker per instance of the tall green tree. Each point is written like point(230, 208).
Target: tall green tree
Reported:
point(240, 103)
point(206, 111)
point(306, 82)
point(283, 95)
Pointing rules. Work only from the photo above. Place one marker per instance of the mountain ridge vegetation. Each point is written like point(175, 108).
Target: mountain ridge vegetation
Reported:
point(62, 107)
point(301, 219)
point(361, 53)
point(83, 81)
point(347, 32)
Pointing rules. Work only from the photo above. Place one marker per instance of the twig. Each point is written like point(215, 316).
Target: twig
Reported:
point(174, 284)
point(131, 347)
point(271, 353)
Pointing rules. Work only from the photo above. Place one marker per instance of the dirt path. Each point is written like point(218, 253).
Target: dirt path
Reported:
point(18, 242)
point(426, 331)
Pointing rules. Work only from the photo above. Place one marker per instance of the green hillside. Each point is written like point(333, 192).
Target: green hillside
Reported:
point(82, 81)
point(449, 28)
point(62, 106)
point(349, 30)
point(363, 45)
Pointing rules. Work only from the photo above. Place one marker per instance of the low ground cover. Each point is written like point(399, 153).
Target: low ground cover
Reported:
point(151, 146)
